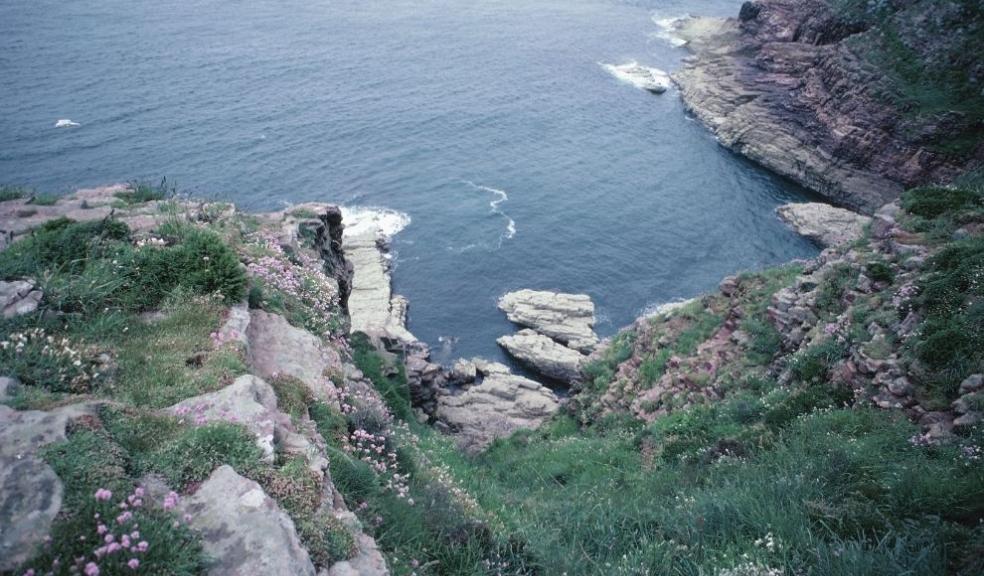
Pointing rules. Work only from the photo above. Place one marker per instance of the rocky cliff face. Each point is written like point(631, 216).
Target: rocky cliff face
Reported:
point(855, 101)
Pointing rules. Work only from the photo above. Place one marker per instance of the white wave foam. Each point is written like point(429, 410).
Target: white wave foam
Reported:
point(500, 197)
point(668, 29)
point(643, 77)
point(66, 123)
point(664, 308)
point(381, 222)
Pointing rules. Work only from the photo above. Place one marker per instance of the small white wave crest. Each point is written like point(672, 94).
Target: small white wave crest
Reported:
point(381, 222)
point(66, 123)
point(669, 27)
point(499, 196)
point(642, 77)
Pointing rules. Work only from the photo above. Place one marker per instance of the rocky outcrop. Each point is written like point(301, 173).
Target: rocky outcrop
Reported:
point(18, 297)
point(567, 318)
point(495, 407)
point(788, 86)
point(328, 241)
point(373, 307)
point(278, 348)
point(243, 529)
point(544, 355)
point(650, 79)
point(824, 224)
point(30, 492)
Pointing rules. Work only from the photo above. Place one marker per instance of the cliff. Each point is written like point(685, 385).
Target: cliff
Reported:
point(857, 101)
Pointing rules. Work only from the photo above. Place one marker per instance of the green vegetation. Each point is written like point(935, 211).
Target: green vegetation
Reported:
point(141, 192)
point(12, 192)
point(390, 380)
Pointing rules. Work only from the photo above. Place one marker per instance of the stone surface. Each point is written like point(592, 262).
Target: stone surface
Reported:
point(824, 224)
point(243, 529)
point(368, 561)
point(783, 85)
point(30, 492)
point(497, 407)
point(567, 318)
point(544, 355)
point(248, 401)
point(18, 297)
point(372, 306)
point(277, 348)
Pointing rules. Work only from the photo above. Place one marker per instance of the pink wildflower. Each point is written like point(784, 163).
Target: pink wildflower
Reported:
point(102, 529)
point(133, 563)
point(142, 546)
point(91, 569)
point(102, 495)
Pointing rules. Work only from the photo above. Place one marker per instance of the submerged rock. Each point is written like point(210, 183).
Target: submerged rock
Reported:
point(243, 529)
point(824, 224)
point(500, 405)
point(650, 79)
point(567, 318)
point(544, 355)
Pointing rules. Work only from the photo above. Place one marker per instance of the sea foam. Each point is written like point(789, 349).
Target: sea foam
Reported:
point(642, 77)
point(668, 29)
point(382, 222)
point(66, 123)
point(499, 196)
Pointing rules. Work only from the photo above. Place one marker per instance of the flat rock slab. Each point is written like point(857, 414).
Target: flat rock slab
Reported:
point(567, 318)
point(30, 492)
point(824, 224)
point(372, 306)
point(276, 348)
point(500, 405)
point(544, 355)
point(243, 529)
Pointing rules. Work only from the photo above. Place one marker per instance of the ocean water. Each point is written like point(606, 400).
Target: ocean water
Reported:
point(494, 126)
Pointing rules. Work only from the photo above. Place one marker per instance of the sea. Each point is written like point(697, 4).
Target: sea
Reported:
point(498, 135)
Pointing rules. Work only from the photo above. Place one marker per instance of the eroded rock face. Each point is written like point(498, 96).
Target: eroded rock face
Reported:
point(824, 224)
point(243, 529)
point(784, 86)
point(547, 357)
point(277, 348)
point(30, 492)
point(567, 318)
point(501, 404)
point(18, 297)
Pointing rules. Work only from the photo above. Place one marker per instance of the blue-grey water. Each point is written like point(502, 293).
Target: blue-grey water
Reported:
point(427, 107)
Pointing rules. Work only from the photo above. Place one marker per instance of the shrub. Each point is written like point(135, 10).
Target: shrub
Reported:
point(140, 192)
point(62, 245)
point(933, 202)
point(196, 452)
point(12, 192)
point(326, 538)
point(812, 366)
point(880, 272)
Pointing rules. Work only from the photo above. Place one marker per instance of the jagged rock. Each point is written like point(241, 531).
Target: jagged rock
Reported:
point(486, 367)
point(567, 318)
point(544, 355)
point(243, 529)
point(825, 224)
point(500, 405)
point(972, 383)
point(368, 561)
point(277, 348)
point(234, 327)
point(328, 240)
point(8, 387)
point(30, 492)
point(18, 297)
point(464, 371)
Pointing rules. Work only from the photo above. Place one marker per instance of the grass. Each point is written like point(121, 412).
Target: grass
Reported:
point(390, 381)
point(142, 192)
point(8, 192)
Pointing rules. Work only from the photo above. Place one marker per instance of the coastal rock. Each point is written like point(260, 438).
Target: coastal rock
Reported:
point(368, 561)
point(650, 79)
point(464, 371)
point(567, 318)
point(824, 224)
point(248, 401)
point(243, 529)
point(30, 491)
point(18, 297)
point(788, 85)
point(500, 405)
point(277, 348)
point(328, 240)
point(544, 355)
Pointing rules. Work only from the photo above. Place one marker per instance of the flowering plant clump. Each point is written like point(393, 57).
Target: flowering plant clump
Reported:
point(113, 536)
point(299, 278)
point(56, 363)
point(372, 440)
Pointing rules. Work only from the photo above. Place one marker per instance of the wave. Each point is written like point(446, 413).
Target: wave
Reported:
point(668, 29)
point(500, 197)
point(381, 222)
point(664, 308)
point(643, 77)
point(66, 123)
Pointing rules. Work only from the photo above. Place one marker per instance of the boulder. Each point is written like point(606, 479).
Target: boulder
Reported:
point(18, 297)
point(544, 355)
point(824, 224)
point(276, 348)
point(243, 529)
point(464, 371)
point(248, 401)
point(495, 408)
point(30, 492)
point(567, 318)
